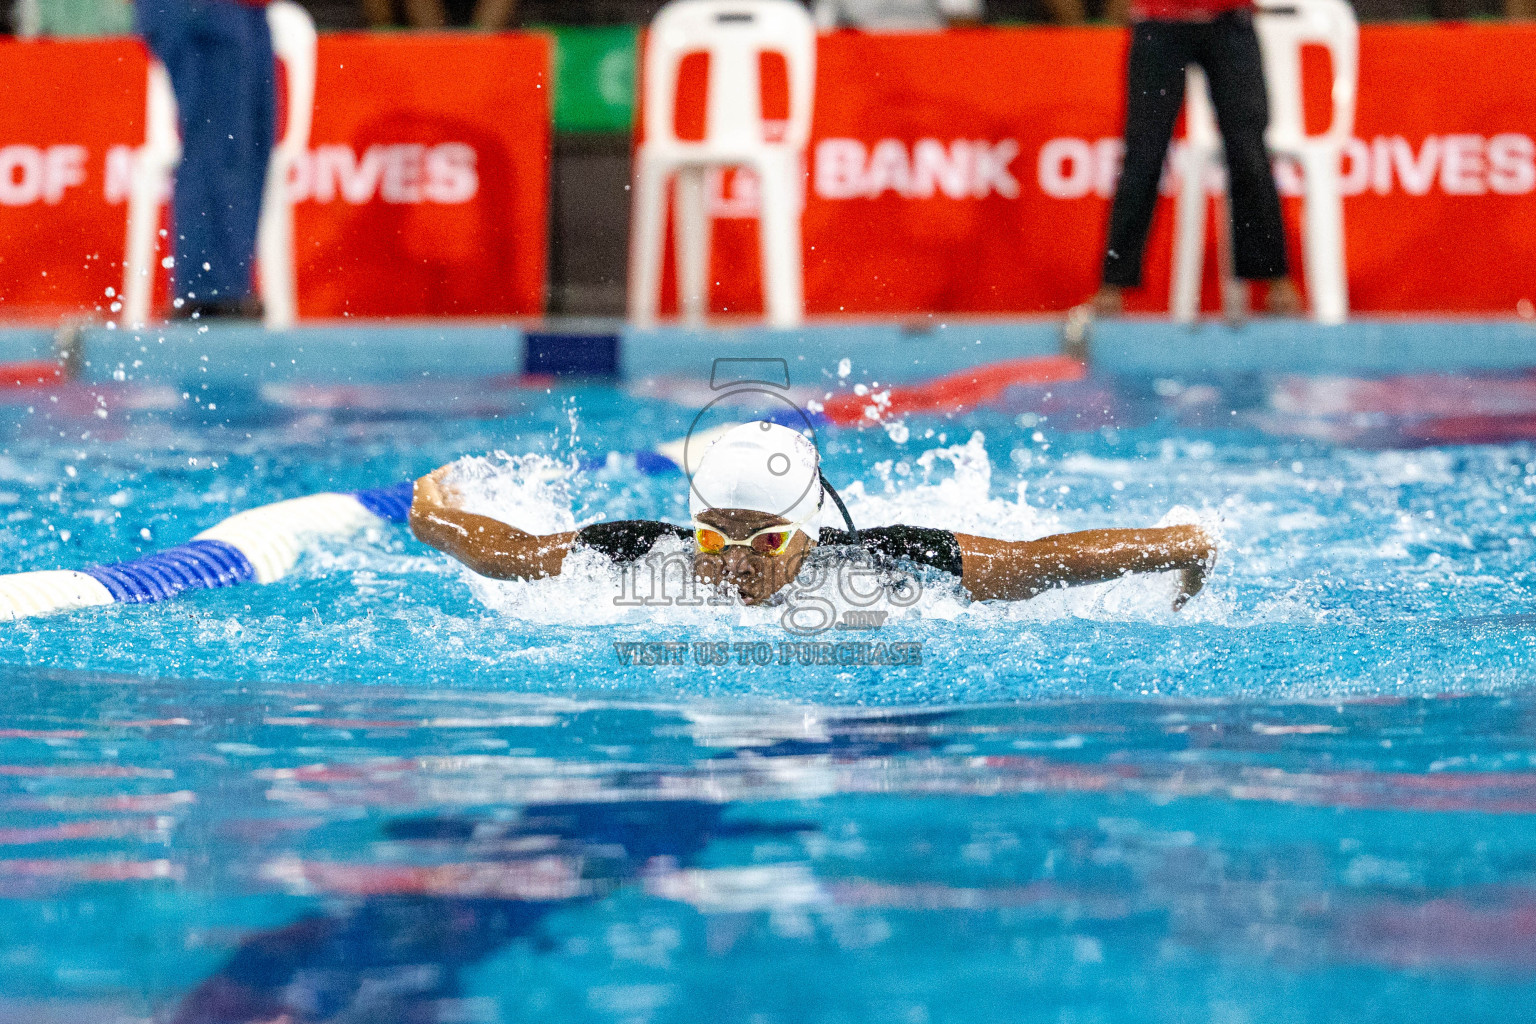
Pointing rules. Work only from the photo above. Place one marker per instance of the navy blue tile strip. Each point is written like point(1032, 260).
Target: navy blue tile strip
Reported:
point(583, 355)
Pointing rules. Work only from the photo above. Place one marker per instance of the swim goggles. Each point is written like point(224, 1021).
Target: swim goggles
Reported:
point(771, 540)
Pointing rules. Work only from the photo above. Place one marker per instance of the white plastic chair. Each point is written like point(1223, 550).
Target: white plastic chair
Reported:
point(733, 33)
point(1284, 27)
point(293, 44)
point(909, 17)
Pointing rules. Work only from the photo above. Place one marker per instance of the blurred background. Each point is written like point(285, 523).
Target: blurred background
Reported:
point(1437, 178)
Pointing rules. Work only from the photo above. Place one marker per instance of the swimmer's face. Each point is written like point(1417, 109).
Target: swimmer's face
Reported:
point(755, 576)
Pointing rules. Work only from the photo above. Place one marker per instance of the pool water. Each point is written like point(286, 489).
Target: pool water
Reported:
point(381, 789)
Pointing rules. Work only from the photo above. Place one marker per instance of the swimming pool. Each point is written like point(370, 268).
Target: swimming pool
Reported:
point(380, 789)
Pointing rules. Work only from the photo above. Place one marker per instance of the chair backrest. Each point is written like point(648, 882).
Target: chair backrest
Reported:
point(733, 33)
point(1284, 27)
point(293, 43)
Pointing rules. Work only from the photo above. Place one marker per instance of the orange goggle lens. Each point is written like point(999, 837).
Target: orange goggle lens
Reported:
point(770, 543)
point(711, 542)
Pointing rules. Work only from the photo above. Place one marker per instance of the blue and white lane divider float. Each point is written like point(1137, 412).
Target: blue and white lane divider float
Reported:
point(259, 545)
point(256, 546)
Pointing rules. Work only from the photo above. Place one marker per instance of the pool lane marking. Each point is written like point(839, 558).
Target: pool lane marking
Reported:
point(956, 392)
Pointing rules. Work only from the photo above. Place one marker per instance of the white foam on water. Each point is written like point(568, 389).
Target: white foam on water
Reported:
point(531, 492)
point(947, 488)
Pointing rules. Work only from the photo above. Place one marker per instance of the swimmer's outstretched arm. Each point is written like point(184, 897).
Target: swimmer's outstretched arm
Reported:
point(1015, 570)
point(488, 546)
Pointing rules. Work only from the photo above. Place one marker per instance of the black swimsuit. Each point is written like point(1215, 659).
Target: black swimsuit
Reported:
point(631, 539)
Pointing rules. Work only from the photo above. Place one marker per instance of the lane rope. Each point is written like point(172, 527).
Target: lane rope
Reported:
point(258, 545)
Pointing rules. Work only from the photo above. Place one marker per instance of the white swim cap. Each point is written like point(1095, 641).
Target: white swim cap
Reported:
point(762, 467)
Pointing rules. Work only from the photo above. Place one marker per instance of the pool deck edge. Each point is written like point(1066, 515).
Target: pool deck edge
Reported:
point(884, 351)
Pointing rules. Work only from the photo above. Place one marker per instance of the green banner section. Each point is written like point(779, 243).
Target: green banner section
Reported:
point(61, 18)
point(594, 78)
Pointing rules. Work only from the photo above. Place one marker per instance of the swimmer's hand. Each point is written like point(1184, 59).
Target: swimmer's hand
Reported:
point(430, 490)
point(994, 570)
point(1192, 578)
point(488, 546)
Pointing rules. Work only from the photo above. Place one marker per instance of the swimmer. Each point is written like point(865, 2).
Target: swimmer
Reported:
point(756, 499)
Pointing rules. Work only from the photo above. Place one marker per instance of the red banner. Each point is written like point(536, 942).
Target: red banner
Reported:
point(968, 172)
point(427, 183)
point(423, 192)
point(972, 172)
point(63, 206)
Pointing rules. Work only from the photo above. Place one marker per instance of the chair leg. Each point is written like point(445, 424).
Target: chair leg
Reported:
point(1323, 239)
point(691, 216)
point(274, 248)
point(1189, 236)
point(152, 166)
point(646, 239)
point(143, 222)
point(1235, 293)
point(779, 228)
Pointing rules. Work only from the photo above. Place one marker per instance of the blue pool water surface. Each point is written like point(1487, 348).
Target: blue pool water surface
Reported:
point(381, 789)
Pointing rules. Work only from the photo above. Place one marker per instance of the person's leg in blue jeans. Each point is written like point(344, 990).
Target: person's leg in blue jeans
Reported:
point(219, 55)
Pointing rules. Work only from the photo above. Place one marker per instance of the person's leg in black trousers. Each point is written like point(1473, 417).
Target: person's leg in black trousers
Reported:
point(1160, 50)
point(1228, 50)
point(1230, 56)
